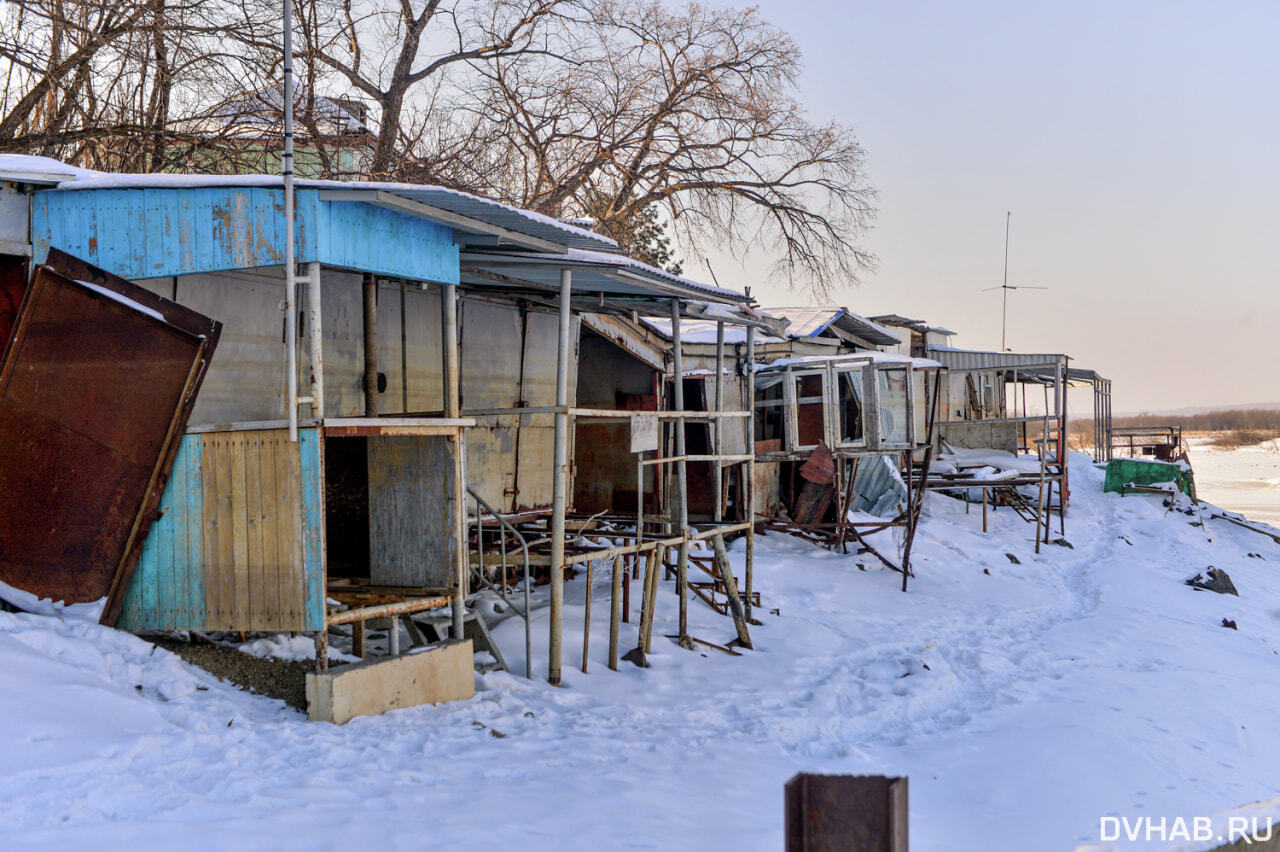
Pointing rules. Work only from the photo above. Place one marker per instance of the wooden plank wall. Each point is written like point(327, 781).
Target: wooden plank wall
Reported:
point(240, 545)
point(167, 589)
point(253, 531)
point(411, 497)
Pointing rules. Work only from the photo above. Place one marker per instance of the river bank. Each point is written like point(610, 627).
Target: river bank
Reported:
point(1242, 479)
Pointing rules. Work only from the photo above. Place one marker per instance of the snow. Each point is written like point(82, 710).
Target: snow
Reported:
point(704, 331)
point(15, 167)
point(1246, 479)
point(122, 299)
point(1025, 702)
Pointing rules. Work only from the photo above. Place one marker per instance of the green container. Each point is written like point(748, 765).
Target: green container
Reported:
point(1125, 472)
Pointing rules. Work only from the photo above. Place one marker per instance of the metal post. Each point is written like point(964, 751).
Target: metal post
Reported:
point(449, 326)
point(290, 281)
point(615, 606)
point(682, 500)
point(404, 352)
point(560, 484)
point(717, 513)
point(315, 331)
point(452, 405)
point(749, 510)
point(370, 346)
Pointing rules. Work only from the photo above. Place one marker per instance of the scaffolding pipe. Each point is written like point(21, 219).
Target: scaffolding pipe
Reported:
point(717, 513)
point(370, 346)
point(682, 481)
point(560, 483)
point(290, 279)
point(749, 510)
point(315, 332)
point(452, 405)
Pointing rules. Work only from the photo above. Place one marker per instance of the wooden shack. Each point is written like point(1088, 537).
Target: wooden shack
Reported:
point(436, 364)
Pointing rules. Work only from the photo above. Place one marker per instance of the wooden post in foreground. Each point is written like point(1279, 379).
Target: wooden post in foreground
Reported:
point(851, 813)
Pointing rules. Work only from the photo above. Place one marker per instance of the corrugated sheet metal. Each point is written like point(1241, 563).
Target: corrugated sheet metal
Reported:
point(808, 322)
point(95, 387)
point(968, 359)
point(593, 272)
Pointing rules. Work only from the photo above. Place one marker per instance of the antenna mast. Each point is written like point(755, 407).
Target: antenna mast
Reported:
point(1004, 285)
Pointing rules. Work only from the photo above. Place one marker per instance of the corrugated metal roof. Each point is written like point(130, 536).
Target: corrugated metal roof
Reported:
point(812, 321)
point(505, 216)
point(593, 271)
point(973, 359)
point(897, 319)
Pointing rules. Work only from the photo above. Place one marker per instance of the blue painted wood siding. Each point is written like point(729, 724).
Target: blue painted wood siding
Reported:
point(167, 589)
point(197, 571)
point(157, 232)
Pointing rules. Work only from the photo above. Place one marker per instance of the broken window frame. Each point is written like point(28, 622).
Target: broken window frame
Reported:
point(905, 411)
point(861, 371)
point(792, 408)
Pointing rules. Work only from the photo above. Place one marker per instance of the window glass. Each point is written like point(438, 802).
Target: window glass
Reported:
point(920, 404)
point(892, 386)
point(849, 401)
point(768, 409)
point(809, 409)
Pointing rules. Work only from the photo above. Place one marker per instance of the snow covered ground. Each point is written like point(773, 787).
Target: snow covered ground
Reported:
point(1026, 701)
point(1244, 479)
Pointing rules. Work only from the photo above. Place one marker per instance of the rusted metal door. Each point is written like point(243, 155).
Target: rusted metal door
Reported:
point(96, 386)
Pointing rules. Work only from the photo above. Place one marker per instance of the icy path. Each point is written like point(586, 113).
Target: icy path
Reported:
point(1025, 701)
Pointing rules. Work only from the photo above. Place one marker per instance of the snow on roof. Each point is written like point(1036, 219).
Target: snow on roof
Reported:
point(24, 168)
point(263, 109)
point(855, 358)
point(810, 321)
point(704, 331)
point(456, 201)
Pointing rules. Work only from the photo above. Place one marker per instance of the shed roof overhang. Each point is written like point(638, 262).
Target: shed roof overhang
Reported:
point(600, 282)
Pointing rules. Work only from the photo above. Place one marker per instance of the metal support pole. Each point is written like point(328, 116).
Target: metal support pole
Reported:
point(682, 498)
point(404, 352)
point(615, 607)
point(290, 271)
point(449, 326)
point(749, 509)
point(452, 405)
point(560, 483)
point(315, 331)
point(717, 513)
point(370, 346)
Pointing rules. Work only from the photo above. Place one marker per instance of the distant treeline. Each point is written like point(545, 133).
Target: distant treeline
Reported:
point(1248, 419)
point(1235, 428)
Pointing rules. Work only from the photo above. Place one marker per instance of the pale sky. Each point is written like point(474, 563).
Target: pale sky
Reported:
point(1136, 143)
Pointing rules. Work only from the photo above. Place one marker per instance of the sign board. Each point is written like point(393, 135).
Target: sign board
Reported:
point(644, 433)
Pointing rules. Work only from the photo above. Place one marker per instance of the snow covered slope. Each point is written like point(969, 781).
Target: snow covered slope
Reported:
point(1025, 701)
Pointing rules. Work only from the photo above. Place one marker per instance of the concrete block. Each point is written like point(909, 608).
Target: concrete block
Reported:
point(443, 673)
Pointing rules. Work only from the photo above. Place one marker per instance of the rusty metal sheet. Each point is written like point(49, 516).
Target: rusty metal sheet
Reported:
point(96, 386)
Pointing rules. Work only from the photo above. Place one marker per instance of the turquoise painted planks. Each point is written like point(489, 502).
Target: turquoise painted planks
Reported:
point(155, 232)
point(311, 451)
point(373, 239)
point(167, 589)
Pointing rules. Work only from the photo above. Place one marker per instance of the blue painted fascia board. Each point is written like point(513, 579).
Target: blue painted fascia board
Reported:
point(160, 231)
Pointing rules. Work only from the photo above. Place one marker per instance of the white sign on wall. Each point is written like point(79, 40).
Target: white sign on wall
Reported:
point(644, 433)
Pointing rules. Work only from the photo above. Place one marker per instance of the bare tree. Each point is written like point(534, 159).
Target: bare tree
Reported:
point(399, 55)
point(120, 85)
point(693, 110)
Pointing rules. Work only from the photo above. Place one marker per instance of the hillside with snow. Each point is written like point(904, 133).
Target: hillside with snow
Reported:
point(1026, 696)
